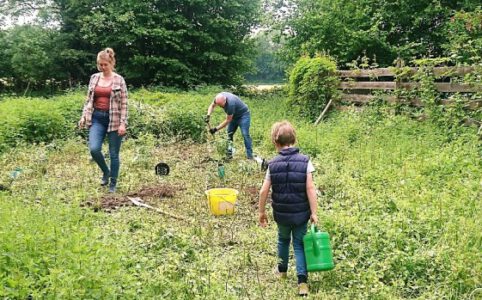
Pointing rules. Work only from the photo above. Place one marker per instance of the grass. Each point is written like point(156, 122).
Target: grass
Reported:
point(400, 201)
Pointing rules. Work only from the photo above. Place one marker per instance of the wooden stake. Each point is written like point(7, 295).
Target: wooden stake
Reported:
point(323, 112)
point(138, 202)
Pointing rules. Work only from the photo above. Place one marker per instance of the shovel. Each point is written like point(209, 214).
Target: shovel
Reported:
point(221, 170)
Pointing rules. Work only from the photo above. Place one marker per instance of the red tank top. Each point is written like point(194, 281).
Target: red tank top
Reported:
point(102, 97)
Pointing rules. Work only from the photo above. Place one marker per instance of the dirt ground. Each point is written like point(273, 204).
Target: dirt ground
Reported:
point(110, 202)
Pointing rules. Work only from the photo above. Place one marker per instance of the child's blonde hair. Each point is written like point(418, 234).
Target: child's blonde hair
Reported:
point(283, 134)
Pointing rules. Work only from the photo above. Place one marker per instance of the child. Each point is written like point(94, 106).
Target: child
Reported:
point(294, 199)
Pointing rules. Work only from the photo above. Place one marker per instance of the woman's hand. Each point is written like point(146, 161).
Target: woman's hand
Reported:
point(263, 220)
point(81, 123)
point(122, 130)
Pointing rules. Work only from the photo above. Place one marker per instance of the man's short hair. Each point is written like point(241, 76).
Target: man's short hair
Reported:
point(283, 133)
point(221, 97)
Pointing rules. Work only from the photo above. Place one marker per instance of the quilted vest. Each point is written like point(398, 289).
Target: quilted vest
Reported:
point(288, 183)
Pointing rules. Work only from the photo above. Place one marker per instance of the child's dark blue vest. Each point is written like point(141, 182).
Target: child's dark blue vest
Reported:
point(288, 181)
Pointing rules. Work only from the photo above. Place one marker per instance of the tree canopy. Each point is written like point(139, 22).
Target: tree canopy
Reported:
point(185, 43)
point(383, 30)
point(176, 42)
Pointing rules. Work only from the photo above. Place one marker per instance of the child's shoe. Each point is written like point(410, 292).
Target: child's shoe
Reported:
point(278, 274)
point(303, 289)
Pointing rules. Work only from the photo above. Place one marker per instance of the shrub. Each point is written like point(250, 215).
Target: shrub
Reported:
point(40, 120)
point(312, 83)
point(181, 125)
point(464, 31)
point(35, 121)
point(144, 118)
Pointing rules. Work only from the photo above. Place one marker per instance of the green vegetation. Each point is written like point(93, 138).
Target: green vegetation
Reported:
point(400, 200)
point(269, 68)
point(313, 82)
point(180, 43)
point(399, 196)
point(383, 30)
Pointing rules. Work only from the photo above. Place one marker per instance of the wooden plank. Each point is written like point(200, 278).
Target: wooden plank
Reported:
point(366, 73)
point(363, 99)
point(357, 98)
point(450, 71)
point(368, 85)
point(444, 87)
point(323, 112)
point(457, 87)
point(389, 72)
point(138, 201)
point(474, 104)
point(472, 122)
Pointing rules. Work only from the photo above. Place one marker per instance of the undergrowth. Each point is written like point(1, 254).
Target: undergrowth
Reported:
point(400, 201)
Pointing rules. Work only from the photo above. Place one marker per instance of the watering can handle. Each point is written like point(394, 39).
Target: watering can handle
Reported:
point(316, 246)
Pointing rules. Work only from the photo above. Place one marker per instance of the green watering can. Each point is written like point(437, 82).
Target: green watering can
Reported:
point(318, 250)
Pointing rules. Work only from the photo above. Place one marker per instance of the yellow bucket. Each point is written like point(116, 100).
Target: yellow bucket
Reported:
point(222, 200)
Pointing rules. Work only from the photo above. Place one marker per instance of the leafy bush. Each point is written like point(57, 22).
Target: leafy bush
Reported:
point(167, 115)
point(312, 83)
point(143, 118)
point(464, 31)
point(36, 121)
point(183, 125)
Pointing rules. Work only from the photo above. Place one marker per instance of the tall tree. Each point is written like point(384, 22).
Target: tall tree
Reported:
point(180, 42)
point(32, 53)
point(268, 66)
point(385, 29)
point(169, 42)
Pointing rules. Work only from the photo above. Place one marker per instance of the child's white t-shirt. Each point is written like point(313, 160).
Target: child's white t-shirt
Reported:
point(309, 169)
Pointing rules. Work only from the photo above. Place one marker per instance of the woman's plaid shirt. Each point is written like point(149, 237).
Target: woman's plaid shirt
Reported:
point(118, 102)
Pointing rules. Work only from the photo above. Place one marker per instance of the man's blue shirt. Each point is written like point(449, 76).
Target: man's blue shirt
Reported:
point(234, 106)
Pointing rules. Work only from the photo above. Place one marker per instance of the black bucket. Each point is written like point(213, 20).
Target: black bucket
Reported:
point(162, 169)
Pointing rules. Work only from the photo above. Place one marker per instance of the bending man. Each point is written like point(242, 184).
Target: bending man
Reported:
point(237, 115)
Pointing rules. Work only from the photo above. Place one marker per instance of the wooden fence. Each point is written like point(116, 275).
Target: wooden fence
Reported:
point(357, 85)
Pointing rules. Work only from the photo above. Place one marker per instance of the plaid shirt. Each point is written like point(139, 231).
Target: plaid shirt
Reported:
point(118, 102)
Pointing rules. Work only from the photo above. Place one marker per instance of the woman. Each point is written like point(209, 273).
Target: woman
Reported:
point(105, 113)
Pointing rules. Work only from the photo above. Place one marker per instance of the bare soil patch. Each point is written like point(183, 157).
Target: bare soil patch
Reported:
point(110, 202)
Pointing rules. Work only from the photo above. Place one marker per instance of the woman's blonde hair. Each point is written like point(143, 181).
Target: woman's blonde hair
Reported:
point(283, 134)
point(108, 55)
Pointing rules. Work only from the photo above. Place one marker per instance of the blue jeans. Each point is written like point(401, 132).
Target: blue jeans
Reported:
point(284, 237)
point(243, 122)
point(97, 133)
